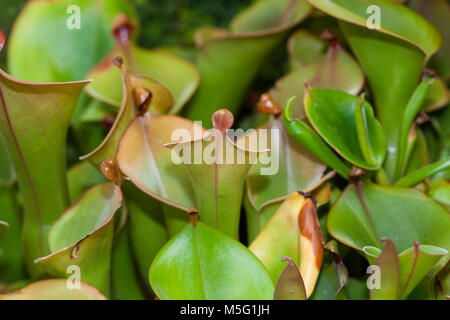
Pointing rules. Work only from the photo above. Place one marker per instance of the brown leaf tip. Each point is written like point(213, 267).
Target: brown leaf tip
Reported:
point(307, 195)
point(288, 259)
point(109, 171)
point(123, 29)
point(117, 61)
point(142, 98)
point(267, 105)
point(306, 86)
point(193, 216)
point(327, 35)
point(421, 118)
point(2, 40)
point(356, 172)
point(222, 119)
point(388, 241)
point(428, 73)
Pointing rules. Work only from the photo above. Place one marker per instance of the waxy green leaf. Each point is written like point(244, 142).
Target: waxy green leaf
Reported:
point(54, 289)
point(34, 118)
point(310, 140)
point(203, 263)
point(392, 55)
point(83, 236)
point(412, 109)
point(418, 175)
point(362, 142)
point(231, 60)
point(47, 36)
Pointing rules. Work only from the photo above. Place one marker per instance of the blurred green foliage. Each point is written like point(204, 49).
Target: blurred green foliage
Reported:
point(173, 22)
point(163, 22)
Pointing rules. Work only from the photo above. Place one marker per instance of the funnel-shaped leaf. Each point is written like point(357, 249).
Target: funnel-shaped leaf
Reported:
point(189, 267)
point(83, 236)
point(54, 289)
point(34, 118)
point(177, 75)
point(392, 55)
point(414, 264)
point(337, 70)
point(362, 141)
point(218, 164)
point(290, 283)
point(138, 92)
point(293, 231)
point(65, 38)
point(228, 61)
